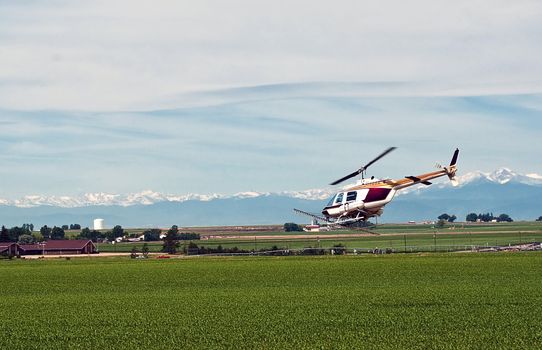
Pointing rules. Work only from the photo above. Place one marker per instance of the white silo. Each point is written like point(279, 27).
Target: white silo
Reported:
point(99, 224)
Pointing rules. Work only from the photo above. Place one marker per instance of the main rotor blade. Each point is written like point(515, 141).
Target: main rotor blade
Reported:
point(378, 158)
point(362, 169)
point(355, 173)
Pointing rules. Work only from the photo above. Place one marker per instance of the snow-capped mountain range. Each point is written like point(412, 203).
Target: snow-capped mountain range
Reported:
point(148, 197)
point(501, 176)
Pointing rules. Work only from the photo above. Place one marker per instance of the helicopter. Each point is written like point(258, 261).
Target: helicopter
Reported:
point(367, 198)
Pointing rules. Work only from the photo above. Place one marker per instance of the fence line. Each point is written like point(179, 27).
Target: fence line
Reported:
point(384, 250)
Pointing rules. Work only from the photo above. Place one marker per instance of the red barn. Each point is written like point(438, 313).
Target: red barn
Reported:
point(9, 248)
point(59, 247)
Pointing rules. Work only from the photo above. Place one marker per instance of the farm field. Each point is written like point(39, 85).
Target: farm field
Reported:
point(400, 238)
point(270, 230)
point(443, 301)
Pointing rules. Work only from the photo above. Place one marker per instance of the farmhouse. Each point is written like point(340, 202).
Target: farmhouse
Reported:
point(59, 247)
point(9, 248)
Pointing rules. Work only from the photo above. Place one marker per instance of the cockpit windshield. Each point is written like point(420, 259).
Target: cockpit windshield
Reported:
point(332, 199)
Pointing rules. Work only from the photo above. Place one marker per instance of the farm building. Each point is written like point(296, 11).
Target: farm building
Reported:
point(9, 248)
point(59, 247)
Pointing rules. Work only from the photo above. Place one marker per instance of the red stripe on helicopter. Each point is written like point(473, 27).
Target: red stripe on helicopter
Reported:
point(377, 194)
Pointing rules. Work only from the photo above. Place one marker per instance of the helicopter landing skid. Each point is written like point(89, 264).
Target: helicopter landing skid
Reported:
point(342, 221)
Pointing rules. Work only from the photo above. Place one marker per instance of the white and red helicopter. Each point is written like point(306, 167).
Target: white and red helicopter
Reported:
point(368, 197)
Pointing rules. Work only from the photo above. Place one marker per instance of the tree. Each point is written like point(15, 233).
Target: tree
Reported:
point(93, 235)
point(472, 217)
point(85, 233)
point(117, 231)
point(441, 223)
point(75, 227)
point(152, 234)
point(65, 227)
point(15, 232)
point(109, 235)
point(4, 235)
point(26, 239)
point(452, 218)
point(192, 249)
point(444, 217)
point(45, 232)
point(292, 227)
point(28, 227)
point(539, 218)
point(487, 217)
point(37, 236)
point(170, 241)
point(57, 233)
point(504, 218)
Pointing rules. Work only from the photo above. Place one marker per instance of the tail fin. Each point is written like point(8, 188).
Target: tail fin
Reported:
point(454, 158)
point(451, 170)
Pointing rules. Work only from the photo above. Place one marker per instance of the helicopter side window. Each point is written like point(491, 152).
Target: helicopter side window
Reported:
point(330, 203)
point(339, 198)
point(351, 196)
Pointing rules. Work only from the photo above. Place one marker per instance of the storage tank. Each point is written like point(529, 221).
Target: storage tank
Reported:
point(99, 224)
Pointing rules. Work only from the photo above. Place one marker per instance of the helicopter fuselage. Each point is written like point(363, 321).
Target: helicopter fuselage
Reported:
point(364, 199)
point(367, 198)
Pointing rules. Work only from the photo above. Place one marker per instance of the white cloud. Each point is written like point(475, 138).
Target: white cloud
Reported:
point(127, 54)
point(265, 139)
point(103, 58)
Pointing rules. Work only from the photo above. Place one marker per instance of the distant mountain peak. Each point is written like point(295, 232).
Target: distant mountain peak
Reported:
point(501, 176)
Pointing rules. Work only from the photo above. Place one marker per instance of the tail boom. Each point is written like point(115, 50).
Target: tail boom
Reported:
point(449, 171)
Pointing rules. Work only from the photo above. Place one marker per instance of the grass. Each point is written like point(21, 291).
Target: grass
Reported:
point(381, 229)
point(414, 241)
point(440, 301)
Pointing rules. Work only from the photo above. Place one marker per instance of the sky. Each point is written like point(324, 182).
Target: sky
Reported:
point(223, 97)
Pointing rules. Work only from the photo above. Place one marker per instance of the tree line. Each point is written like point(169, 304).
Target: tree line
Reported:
point(488, 217)
point(26, 234)
point(473, 217)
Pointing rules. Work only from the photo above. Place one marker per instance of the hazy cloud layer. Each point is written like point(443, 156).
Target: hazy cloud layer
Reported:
point(264, 143)
point(117, 54)
point(222, 97)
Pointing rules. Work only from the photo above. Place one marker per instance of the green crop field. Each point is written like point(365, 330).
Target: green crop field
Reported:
point(444, 301)
point(441, 241)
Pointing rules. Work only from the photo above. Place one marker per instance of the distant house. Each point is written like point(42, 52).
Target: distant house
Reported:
point(59, 247)
point(312, 228)
point(9, 248)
